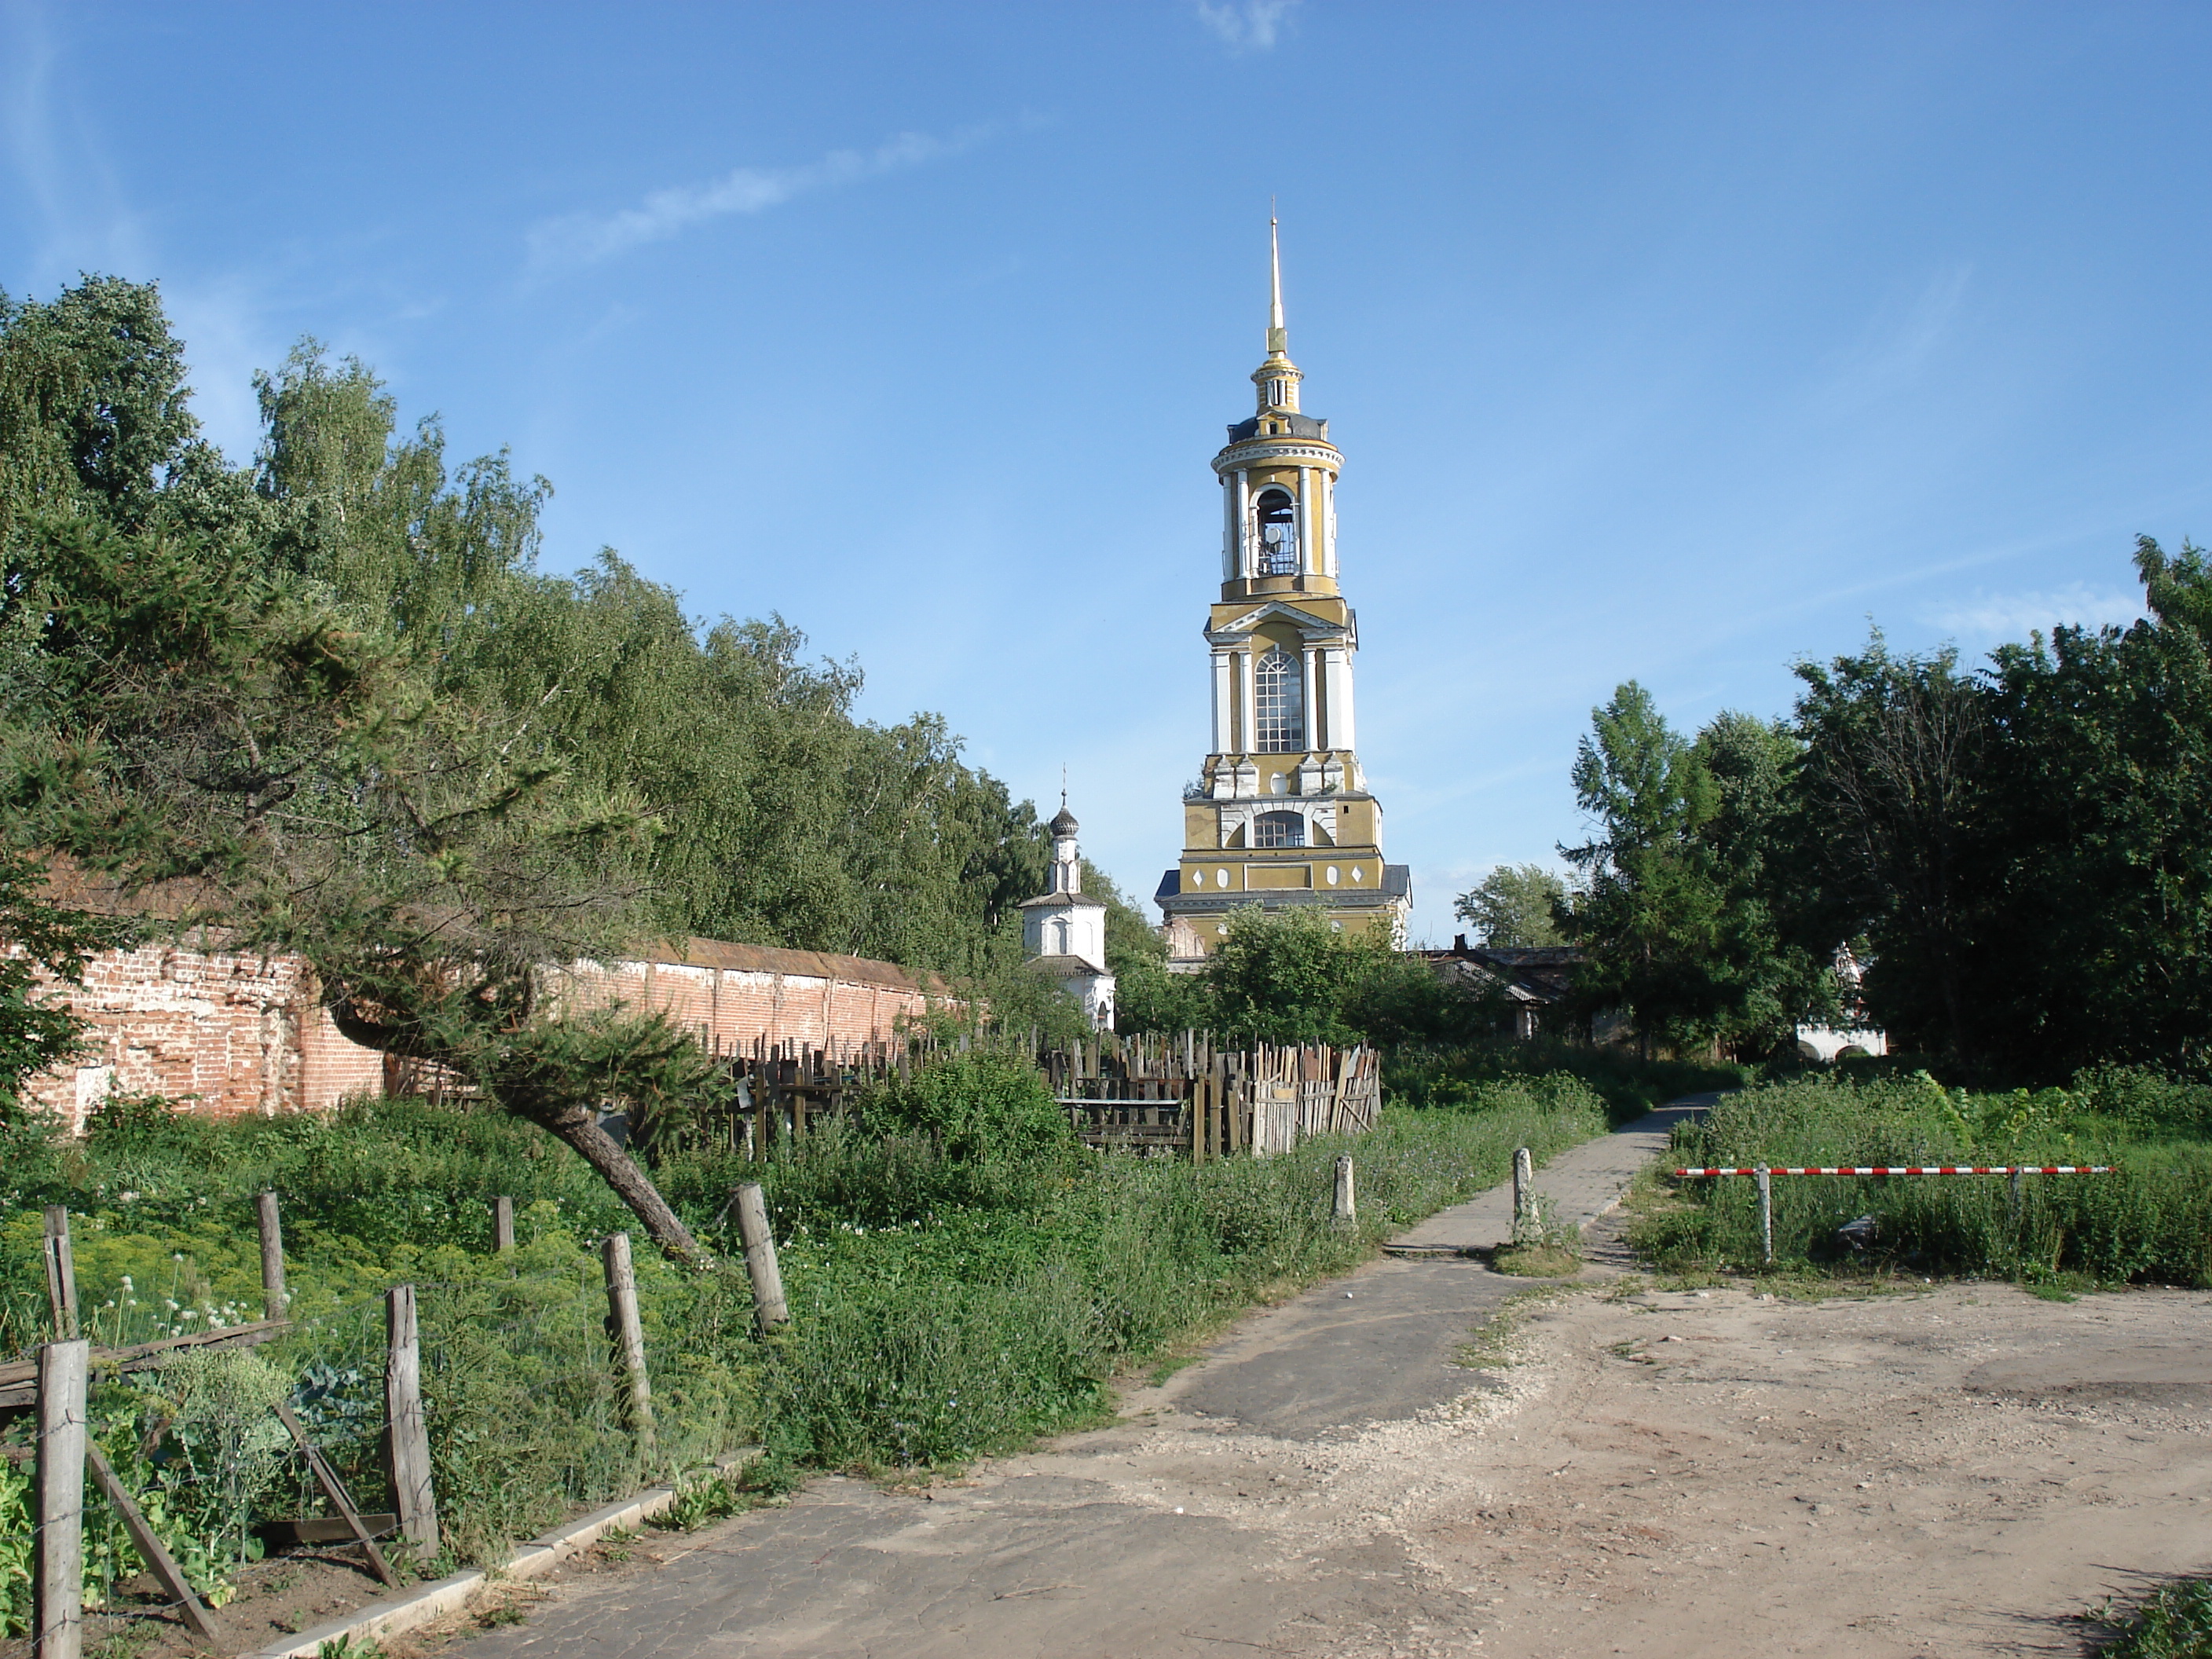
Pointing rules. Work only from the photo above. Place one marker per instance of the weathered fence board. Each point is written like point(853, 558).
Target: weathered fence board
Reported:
point(1184, 1094)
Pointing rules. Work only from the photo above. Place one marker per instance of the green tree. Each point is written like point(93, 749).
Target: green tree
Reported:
point(2090, 865)
point(1516, 904)
point(1651, 911)
point(1894, 752)
point(337, 696)
point(41, 940)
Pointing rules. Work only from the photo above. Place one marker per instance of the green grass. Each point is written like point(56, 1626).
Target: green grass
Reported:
point(942, 1310)
point(2175, 1622)
point(1422, 1074)
point(2149, 1222)
point(944, 1306)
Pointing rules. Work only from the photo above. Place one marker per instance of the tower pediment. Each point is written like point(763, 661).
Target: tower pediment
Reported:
point(1316, 630)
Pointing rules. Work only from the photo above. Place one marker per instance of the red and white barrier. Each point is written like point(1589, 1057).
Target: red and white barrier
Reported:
point(1919, 1170)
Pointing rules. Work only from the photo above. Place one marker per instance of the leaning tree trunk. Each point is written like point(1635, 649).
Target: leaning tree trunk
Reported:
point(580, 1128)
point(563, 1118)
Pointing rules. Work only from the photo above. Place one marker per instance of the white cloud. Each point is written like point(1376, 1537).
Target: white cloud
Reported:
point(578, 238)
point(1252, 27)
point(1992, 616)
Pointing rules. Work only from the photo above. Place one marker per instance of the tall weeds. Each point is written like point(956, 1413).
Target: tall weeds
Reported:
point(2150, 1220)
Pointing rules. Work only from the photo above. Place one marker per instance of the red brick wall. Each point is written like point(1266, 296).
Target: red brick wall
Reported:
point(226, 1031)
point(229, 1033)
point(732, 1009)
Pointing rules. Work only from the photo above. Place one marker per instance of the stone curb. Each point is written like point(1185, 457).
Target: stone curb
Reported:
point(442, 1597)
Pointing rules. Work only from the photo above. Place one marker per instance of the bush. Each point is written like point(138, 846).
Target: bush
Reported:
point(977, 1108)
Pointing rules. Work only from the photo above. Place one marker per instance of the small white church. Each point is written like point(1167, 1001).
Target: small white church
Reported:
point(1064, 929)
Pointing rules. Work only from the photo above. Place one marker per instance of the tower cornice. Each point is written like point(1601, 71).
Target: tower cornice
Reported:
point(1258, 451)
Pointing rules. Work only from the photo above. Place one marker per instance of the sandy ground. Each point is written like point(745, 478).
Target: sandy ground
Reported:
point(1960, 1471)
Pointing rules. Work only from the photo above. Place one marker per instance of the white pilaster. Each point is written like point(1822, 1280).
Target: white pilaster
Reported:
point(1247, 660)
point(1312, 735)
point(1228, 531)
point(1328, 522)
point(1223, 702)
point(1243, 524)
point(1309, 525)
point(1336, 682)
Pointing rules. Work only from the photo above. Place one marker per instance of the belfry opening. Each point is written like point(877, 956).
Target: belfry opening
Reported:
point(1281, 816)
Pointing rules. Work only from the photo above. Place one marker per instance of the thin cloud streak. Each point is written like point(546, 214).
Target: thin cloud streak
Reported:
point(1254, 26)
point(581, 239)
point(2014, 616)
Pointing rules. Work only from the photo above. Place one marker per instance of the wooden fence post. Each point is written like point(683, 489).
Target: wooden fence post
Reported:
point(408, 1437)
point(502, 1225)
point(272, 1255)
point(1524, 1192)
point(1346, 1210)
point(628, 1333)
point(58, 1571)
point(768, 1305)
point(61, 1272)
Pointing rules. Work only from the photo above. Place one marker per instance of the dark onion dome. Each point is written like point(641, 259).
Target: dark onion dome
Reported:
point(1064, 824)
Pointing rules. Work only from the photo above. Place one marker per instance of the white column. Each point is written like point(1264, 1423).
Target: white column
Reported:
point(1223, 702)
point(1243, 510)
point(1309, 525)
point(1313, 708)
point(1247, 660)
point(1336, 686)
point(1329, 524)
point(1228, 531)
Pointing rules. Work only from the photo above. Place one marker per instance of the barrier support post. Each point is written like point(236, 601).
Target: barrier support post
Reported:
point(502, 1225)
point(1524, 1190)
point(1766, 1214)
point(1345, 1208)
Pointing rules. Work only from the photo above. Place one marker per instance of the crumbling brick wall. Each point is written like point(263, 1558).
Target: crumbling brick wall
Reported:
point(227, 1032)
point(223, 1031)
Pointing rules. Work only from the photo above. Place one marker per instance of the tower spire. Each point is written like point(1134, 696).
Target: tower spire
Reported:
point(1275, 283)
point(1278, 336)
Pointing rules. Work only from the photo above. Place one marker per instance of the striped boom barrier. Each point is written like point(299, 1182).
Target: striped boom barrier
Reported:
point(1766, 1172)
point(1919, 1169)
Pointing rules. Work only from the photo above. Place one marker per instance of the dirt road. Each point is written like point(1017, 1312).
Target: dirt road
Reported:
point(1957, 1472)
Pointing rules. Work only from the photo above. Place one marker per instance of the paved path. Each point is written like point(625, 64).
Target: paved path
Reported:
point(1243, 1504)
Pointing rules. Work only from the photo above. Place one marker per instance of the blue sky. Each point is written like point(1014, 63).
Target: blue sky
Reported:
point(1664, 342)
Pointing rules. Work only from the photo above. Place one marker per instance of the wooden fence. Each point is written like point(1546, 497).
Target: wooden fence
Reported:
point(1183, 1094)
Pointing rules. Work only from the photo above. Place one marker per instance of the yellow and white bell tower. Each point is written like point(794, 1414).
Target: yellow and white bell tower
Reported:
point(1280, 816)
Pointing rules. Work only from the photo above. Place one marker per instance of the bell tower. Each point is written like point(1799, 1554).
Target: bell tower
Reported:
point(1280, 816)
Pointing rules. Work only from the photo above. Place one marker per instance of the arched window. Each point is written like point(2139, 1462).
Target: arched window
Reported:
point(1275, 516)
point(1279, 830)
point(1279, 698)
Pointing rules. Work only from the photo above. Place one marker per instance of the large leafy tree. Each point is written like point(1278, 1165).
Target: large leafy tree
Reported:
point(2093, 868)
point(1516, 904)
point(1895, 749)
point(337, 700)
point(1673, 912)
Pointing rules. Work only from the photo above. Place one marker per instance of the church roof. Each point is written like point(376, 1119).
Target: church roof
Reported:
point(1063, 901)
point(1064, 824)
point(1065, 967)
point(1298, 426)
